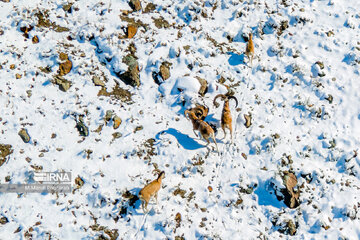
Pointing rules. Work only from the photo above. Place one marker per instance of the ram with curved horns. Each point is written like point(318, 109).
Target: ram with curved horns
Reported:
point(226, 119)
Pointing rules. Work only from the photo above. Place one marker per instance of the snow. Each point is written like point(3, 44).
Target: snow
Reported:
point(282, 91)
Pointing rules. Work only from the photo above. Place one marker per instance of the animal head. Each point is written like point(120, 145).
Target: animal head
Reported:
point(200, 111)
point(224, 98)
point(190, 114)
point(161, 175)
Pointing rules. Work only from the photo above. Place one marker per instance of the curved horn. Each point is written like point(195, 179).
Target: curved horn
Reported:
point(186, 114)
point(199, 112)
point(232, 97)
point(222, 98)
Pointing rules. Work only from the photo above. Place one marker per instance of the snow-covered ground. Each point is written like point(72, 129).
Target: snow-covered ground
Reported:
point(302, 93)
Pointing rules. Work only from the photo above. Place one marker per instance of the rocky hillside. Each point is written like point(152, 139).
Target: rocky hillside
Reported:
point(99, 89)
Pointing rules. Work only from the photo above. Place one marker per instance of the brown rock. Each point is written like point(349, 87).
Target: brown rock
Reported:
point(24, 135)
point(165, 70)
point(65, 67)
point(5, 150)
point(63, 56)
point(135, 5)
point(117, 122)
point(35, 39)
point(131, 31)
point(247, 120)
point(18, 76)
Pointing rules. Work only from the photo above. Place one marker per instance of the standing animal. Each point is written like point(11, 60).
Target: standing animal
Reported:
point(226, 119)
point(249, 51)
point(150, 190)
point(204, 128)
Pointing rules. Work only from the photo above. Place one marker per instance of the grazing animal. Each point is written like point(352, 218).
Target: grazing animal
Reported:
point(250, 49)
point(204, 128)
point(150, 190)
point(226, 119)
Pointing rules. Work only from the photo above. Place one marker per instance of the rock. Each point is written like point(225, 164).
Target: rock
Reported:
point(161, 23)
point(290, 228)
point(3, 220)
point(96, 80)
point(18, 76)
point(165, 70)
point(118, 92)
point(26, 30)
point(108, 116)
point(291, 198)
point(117, 122)
point(24, 135)
point(79, 182)
point(63, 56)
point(132, 75)
point(82, 128)
point(204, 86)
point(67, 7)
point(5, 151)
point(247, 120)
point(131, 31)
point(29, 93)
point(178, 219)
point(150, 8)
point(138, 128)
point(1, 31)
point(135, 5)
point(12, 66)
point(65, 67)
point(35, 39)
point(116, 135)
point(63, 84)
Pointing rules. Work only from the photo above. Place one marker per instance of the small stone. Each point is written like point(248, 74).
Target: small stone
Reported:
point(29, 93)
point(210, 188)
point(3, 220)
point(108, 116)
point(18, 76)
point(117, 122)
point(35, 39)
point(135, 5)
point(12, 66)
point(24, 135)
point(53, 135)
point(79, 182)
point(96, 80)
point(138, 128)
point(244, 156)
point(131, 31)
point(82, 128)
point(330, 98)
point(247, 120)
point(116, 135)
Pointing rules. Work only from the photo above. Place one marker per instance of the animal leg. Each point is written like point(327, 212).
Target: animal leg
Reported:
point(156, 198)
point(230, 128)
point(195, 133)
point(213, 138)
point(223, 128)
